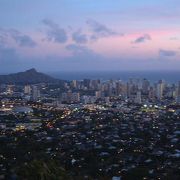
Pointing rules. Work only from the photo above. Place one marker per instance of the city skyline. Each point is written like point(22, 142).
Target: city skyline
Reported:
point(88, 129)
point(89, 35)
point(89, 89)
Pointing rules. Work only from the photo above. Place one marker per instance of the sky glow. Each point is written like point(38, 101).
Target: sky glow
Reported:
point(81, 35)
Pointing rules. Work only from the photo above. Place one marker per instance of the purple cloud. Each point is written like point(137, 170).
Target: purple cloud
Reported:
point(22, 40)
point(99, 30)
point(142, 39)
point(168, 53)
point(55, 33)
point(81, 51)
point(79, 37)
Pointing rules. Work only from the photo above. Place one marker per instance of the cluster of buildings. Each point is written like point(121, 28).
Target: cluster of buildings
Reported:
point(90, 91)
point(135, 90)
point(94, 129)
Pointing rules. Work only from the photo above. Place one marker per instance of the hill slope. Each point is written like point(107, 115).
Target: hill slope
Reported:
point(30, 76)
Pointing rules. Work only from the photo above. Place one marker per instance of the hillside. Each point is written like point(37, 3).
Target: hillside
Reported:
point(30, 76)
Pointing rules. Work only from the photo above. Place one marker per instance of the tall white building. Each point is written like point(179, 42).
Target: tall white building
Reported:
point(27, 89)
point(98, 94)
point(74, 83)
point(10, 89)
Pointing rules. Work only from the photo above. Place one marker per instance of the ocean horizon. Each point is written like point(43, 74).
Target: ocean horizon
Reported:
point(152, 76)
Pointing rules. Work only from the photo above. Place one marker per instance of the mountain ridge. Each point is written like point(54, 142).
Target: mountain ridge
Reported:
point(30, 76)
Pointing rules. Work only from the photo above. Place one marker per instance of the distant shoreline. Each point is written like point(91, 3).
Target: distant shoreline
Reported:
point(153, 76)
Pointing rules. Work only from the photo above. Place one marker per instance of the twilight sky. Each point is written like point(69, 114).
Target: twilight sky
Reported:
point(80, 35)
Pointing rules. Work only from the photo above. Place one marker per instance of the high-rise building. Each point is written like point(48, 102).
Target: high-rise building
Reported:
point(159, 90)
point(178, 93)
point(145, 86)
point(35, 93)
point(86, 83)
point(151, 93)
point(27, 89)
point(10, 89)
point(138, 97)
point(98, 94)
point(74, 84)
